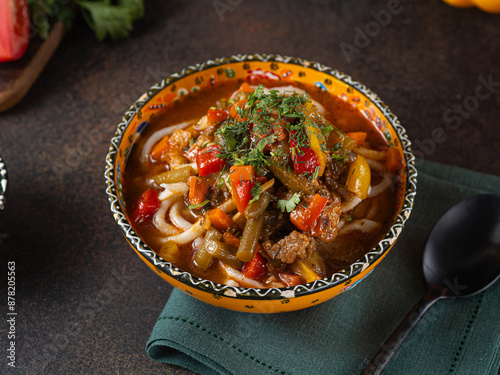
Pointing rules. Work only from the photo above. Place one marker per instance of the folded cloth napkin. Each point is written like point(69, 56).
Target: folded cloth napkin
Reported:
point(341, 336)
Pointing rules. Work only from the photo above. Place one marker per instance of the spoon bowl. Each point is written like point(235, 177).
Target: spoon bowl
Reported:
point(462, 254)
point(461, 259)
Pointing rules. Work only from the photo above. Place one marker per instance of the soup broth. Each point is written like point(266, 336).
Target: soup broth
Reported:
point(261, 184)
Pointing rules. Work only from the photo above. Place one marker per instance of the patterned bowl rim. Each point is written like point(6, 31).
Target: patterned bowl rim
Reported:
point(187, 278)
point(3, 184)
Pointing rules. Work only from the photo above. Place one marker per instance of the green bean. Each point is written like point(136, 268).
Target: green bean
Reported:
point(250, 239)
point(203, 256)
point(294, 182)
point(226, 254)
point(175, 175)
point(257, 207)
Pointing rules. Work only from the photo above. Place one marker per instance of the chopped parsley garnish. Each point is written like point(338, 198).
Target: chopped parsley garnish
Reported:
point(244, 139)
point(197, 206)
point(289, 205)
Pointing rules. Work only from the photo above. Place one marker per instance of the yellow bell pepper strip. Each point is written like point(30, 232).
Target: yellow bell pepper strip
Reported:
point(305, 271)
point(316, 137)
point(303, 217)
point(359, 177)
point(490, 6)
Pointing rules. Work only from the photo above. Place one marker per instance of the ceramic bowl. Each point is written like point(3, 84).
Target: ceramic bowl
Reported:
point(196, 77)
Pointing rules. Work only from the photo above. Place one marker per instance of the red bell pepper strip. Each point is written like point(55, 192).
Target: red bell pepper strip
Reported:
point(256, 268)
point(305, 160)
point(216, 115)
point(14, 29)
point(304, 217)
point(242, 180)
point(208, 161)
point(146, 207)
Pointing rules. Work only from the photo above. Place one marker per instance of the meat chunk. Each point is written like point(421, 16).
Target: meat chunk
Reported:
point(336, 175)
point(330, 219)
point(288, 249)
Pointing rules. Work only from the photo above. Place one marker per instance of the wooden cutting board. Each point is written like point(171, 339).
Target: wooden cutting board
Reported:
point(17, 77)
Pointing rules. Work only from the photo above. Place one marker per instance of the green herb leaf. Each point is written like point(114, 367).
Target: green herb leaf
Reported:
point(111, 20)
point(195, 206)
point(289, 205)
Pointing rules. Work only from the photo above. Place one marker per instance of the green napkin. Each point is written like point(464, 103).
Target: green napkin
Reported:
point(342, 335)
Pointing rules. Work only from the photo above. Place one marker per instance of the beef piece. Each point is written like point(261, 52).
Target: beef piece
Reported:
point(330, 219)
point(288, 249)
point(335, 176)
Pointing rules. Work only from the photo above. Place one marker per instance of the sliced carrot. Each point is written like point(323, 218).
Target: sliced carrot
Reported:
point(393, 161)
point(231, 240)
point(219, 219)
point(198, 190)
point(160, 148)
point(245, 87)
point(239, 173)
point(358, 137)
point(233, 111)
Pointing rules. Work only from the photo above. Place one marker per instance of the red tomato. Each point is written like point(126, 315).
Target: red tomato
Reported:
point(216, 115)
point(242, 193)
point(208, 162)
point(147, 205)
point(256, 268)
point(305, 160)
point(242, 179)
point(14, 29)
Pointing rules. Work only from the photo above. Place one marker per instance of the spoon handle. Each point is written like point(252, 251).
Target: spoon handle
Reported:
point(394, 342)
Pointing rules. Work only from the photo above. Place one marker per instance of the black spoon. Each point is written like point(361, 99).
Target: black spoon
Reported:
point(461, 259)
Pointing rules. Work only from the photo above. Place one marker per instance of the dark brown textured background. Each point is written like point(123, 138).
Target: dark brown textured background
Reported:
point(86, 304)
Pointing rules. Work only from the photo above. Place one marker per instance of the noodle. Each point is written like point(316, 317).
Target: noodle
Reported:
point(176, 217)
point(380, 188)
point(362, 225)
